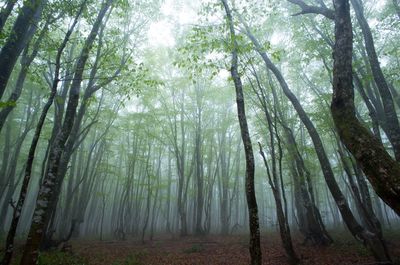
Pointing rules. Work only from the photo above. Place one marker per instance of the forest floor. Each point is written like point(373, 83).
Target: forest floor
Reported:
point(212, 250)
point(209, 250)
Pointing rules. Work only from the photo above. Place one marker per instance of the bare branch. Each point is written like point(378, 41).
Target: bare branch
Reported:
point(308, 9)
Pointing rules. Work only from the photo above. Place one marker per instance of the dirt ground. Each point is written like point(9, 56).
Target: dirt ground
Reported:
point(210, 250)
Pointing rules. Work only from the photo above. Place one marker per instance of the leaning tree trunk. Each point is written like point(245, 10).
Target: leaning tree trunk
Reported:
point(255, 250)
point(5, 13)
point(391, 120)
point(381, 169)
point(26, 60)
point(17, 40)
point(310, 221)
point(370, 239)
point(31, 155)
point(41, 213)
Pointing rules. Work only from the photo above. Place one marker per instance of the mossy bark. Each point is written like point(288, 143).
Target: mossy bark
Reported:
point(382, 171)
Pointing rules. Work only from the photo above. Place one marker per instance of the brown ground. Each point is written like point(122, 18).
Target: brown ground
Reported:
point(212, 250)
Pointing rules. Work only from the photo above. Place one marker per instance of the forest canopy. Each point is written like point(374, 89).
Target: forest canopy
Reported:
point(124, 120)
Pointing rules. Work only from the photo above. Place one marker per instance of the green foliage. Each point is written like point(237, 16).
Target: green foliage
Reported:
point(7, 104)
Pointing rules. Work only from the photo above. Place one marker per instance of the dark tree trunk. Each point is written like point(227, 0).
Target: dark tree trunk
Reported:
point(42, 212)
point(392, 123)
point(5, 13)
point(309, 216)
point(370, 239)
point(255, 249)
point(31, 155)
point(17, 40)
point(224, 183)
point(314, 227)
point(382, 171)
point(148, 198)
point(199, 163)
point(284, 229)
point(26, 61)
point(367, 150)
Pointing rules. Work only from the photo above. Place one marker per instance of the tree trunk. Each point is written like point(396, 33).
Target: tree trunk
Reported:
point(255, 249)
point(26, 61)
point(362, 144)
point(397, 7)
point(391, 120)
point(17, 40)
point(42, 212)
point(340, 200)
point(5, 13)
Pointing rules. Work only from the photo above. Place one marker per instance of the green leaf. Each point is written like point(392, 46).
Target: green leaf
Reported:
point(8, 104)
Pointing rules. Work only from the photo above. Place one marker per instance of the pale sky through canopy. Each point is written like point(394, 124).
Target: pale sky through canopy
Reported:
point(172, 11)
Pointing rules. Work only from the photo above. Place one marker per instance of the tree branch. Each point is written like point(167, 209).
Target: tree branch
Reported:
point(308, 9)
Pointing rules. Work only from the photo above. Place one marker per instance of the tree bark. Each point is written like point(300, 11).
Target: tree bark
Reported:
point(26, 61)
point(17, 40)
point(42, 212)
point(5, 13)
point(367, 150)
point(284, 228)
point(255, 249)
point(391, 120)
point(381, 169)
point(355, 228)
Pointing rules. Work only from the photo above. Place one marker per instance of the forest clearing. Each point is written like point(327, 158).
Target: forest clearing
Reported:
point(199, 132)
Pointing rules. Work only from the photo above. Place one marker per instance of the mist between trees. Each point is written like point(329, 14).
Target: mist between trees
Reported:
point(119, 120)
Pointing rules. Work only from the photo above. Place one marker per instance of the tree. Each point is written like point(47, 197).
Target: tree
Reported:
point(18, 39)
point(5, 13)
point(374, 160)
point(28, 168)
point(372, 240)
point(37, 229)
point(382, 171)
point(255, 251)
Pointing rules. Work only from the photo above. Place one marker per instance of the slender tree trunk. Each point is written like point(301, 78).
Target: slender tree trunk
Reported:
point(199, 163)
point(397, 7)
point(284, 229)
point(255, 249)
point(148, 200)
point(169, 172)
point(310, 221)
